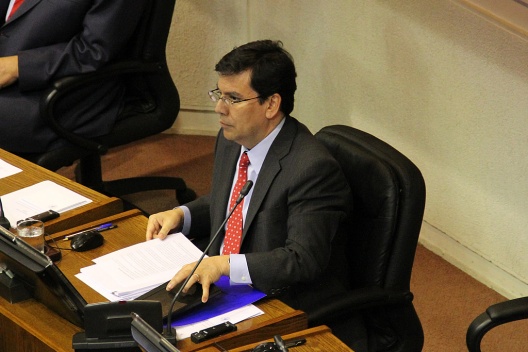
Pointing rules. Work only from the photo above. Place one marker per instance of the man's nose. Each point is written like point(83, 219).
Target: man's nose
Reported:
point(220, 107)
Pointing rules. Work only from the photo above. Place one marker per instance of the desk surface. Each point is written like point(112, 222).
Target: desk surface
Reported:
point(31, 174)
point(30, 326)
point(319, 338)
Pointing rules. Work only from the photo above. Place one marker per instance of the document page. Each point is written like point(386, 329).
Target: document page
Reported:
point(234, 317)
point(7, 169)
point(38, 198)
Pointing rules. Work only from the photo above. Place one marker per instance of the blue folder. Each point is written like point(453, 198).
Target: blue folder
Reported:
point(231, 298)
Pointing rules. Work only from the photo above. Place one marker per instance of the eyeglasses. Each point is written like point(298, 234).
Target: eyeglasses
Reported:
point(216, 96)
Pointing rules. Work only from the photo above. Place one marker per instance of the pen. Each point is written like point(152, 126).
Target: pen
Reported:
point(103, 227)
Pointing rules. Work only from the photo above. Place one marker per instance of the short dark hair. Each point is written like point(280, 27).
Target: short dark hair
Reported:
point(272, 70)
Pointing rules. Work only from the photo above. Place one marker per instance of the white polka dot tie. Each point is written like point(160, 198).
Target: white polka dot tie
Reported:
point(233, 235)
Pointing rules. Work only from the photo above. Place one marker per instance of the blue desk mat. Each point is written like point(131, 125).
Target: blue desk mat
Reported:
point(231, 298)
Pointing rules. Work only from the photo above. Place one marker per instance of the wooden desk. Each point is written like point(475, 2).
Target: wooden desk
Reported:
point(278, 318)
point(102, 206)
point(317, 339)
point(30, 326)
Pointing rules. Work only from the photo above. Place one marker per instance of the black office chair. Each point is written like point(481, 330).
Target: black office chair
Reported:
point(495, 315)
point(152, 105)
point(388, 199)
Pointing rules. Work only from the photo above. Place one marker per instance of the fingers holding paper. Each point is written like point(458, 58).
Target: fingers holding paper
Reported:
point(208, 272)
point(161, 224)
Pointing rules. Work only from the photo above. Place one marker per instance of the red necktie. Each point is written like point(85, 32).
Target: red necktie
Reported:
point(15, 7)
point(233, 235)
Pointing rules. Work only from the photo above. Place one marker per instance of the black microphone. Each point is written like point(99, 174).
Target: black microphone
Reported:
point(245, 190)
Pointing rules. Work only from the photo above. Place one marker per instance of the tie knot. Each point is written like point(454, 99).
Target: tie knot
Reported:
point(244, 160)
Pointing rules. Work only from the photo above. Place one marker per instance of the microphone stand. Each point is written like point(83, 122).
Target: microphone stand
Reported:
point(168, 333)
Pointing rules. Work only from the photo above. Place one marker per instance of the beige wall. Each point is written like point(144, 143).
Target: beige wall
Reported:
point(442, 84)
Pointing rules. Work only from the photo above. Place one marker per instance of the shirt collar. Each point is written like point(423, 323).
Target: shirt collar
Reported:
point(258, 153)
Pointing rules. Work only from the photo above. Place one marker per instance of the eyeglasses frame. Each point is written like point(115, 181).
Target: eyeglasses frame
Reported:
point(215, 96)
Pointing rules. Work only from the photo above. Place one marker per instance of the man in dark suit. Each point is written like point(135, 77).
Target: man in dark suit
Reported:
point(41, 41)
point(300, 197)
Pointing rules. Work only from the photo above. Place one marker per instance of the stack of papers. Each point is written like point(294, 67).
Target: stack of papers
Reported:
point(132, 271)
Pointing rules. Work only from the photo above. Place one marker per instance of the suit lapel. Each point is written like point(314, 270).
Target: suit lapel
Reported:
point(231, 155)
point(272, 165)
point(223, 182)
point(4, 4)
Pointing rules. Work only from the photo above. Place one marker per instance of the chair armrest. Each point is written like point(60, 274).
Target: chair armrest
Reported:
point(356, 300)
point(65, 85)
point(495, 315)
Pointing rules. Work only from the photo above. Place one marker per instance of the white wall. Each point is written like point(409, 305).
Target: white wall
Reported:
point(445, 86)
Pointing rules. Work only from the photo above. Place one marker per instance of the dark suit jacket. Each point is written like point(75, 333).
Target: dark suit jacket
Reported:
point(54, 39)
point(298, 206)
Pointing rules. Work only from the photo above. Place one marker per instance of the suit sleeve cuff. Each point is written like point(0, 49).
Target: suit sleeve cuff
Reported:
point(186, 228)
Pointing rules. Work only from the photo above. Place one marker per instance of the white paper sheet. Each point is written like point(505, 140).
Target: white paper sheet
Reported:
point(38, 198)
point(7, 169)
point(235, 316)
point(129, 272)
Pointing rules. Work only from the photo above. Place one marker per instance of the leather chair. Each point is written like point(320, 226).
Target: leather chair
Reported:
point(495, 315)
point(388, 199)
point(152, 105)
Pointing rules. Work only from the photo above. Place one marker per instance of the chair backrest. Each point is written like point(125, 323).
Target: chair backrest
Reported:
point(150, 39)
point(388, 202)
point(152, 100)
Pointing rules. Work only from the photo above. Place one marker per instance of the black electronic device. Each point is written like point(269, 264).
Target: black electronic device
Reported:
point(279, 345)
point(45, 216)
point(212, 332)
point(39, 277)
point(149, 338)
point(86, 241)
point(186, 301)
point(107, 324)
point(4, 222)
point(169, 333)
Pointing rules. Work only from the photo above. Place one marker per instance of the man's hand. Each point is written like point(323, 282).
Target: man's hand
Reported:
point(160, 224)
point(8, 70)
point(208, 272)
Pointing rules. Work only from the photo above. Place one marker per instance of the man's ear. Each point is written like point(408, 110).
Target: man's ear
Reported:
point(274, 103)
